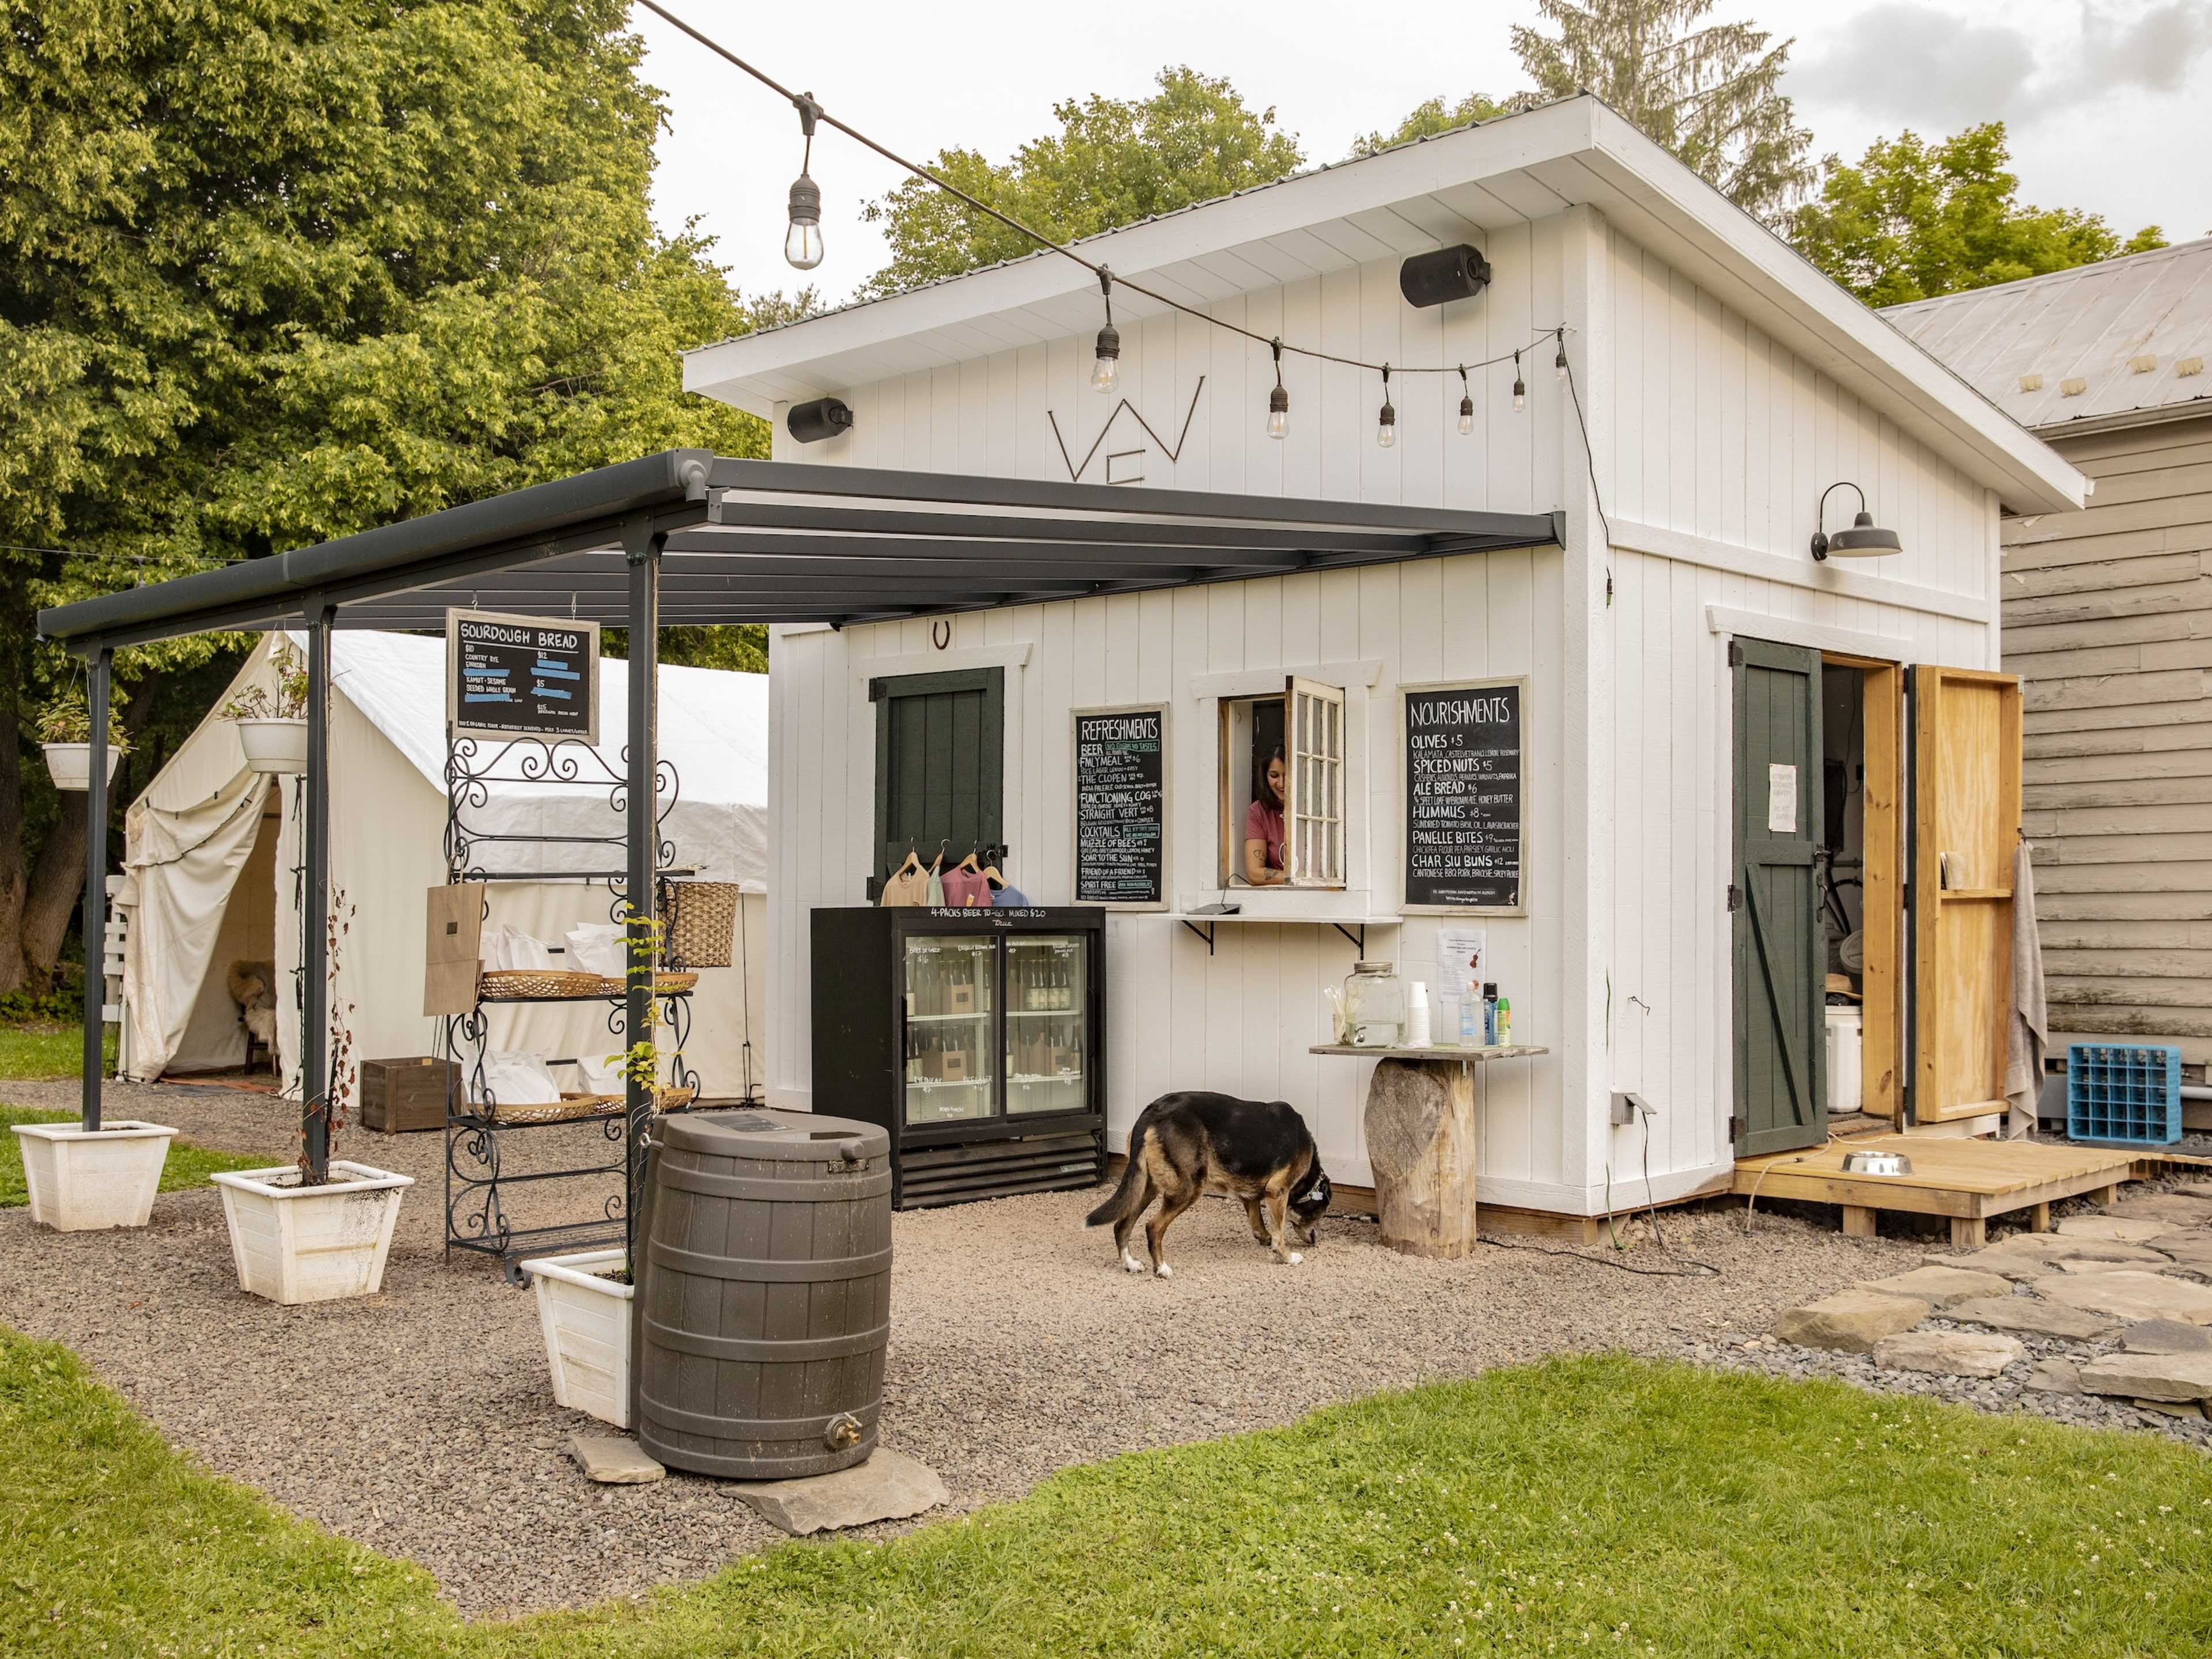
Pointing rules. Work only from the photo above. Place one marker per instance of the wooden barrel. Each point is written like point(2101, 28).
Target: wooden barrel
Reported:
point(765, 1301)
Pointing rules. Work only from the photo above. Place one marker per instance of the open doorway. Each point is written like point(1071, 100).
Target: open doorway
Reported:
point(233, 1023)
point(1861, 784)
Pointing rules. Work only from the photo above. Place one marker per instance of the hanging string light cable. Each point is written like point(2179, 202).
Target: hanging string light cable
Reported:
point(1105, 372)
point(802, 242)
point(1466, 403)
point(1043, 241)
point(1279, 400)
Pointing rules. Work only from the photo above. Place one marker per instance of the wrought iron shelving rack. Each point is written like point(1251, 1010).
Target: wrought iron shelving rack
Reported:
point(475, 1217)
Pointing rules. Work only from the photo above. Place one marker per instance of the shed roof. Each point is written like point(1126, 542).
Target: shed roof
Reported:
point(2100, 345)
point(1415, 197)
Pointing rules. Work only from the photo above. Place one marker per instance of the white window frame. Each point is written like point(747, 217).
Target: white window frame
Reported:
point(1314, 806)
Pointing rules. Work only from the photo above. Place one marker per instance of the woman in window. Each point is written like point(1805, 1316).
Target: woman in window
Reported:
point(1263, 824)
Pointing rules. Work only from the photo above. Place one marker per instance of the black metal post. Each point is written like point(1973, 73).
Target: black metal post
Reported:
point(643, 547)
point(98, 671)
point(314, 918)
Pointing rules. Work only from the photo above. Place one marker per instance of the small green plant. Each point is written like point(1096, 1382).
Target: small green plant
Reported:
point(290, 700)
point(67, 718)
point(641, 1061)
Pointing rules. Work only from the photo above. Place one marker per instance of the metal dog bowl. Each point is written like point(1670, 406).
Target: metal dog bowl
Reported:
point(1877, 1163)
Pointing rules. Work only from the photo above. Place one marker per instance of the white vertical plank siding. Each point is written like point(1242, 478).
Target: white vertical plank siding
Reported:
point(1699, 424)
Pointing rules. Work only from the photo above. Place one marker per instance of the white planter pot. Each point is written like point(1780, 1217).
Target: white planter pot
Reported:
point(70, 764)
point(586, 1318)
point(274, 746)
point(81, 1179)
point(293, 1244)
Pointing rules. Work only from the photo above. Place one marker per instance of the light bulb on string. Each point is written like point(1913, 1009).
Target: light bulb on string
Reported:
point(1279, 400)
point(1386, 420)
point(802, 240)
point(1466, 403)
point(1520, 386)
point(1106, 372)
point(1560, 358)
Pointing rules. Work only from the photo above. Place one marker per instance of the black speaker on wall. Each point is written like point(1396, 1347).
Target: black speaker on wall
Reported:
point(1438, 279)
point(825, 417)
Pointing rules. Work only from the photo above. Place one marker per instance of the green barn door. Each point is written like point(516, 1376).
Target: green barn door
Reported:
point(1780, 955)
point(940, 755)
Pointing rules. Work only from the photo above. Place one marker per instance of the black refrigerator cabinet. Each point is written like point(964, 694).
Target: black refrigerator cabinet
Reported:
point(977, 1037)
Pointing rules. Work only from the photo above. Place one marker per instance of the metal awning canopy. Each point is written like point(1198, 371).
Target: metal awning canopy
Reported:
point(744, 541)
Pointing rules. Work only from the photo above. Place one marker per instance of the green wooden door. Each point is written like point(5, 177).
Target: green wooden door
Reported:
point(1780, 955)
point(940, 756)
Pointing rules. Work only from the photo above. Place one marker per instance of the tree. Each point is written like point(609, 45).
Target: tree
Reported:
point(274, 272)
point(1112, 162)
point(1913, 220)
point(1710, 94)
point(1430, 118)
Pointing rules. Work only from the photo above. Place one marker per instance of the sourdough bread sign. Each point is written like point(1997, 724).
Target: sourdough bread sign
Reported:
point(522, 676)
point(1466, 833)
point(1120, 806)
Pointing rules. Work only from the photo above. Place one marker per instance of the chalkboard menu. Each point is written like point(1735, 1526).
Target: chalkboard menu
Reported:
point(1465, 833)
point(522, 676)
point(1120, 806)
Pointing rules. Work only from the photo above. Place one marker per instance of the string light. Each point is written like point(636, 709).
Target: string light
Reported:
point(1466, 403)
point(1560, 359)
point(1106, 373)
point(802, 247)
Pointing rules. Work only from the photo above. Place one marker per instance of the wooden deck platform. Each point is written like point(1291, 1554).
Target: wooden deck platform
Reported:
point(1967, 1181)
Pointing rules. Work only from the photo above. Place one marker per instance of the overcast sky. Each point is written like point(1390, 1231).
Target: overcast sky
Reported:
point(2096, 93)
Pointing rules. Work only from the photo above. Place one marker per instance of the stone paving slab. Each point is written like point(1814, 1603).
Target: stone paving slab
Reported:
point(2033, 1316)
point(888, 1486)
point(2174, 1208)
point(1850, 1322)
point(1940, 1286)
point(1947, 1353)
point(614, 1460)
point(2159, 1376)
point(2165, 1336)
point(2127, 1229)
point(2132, 1295)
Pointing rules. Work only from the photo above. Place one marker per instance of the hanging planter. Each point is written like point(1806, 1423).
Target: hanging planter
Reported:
point(273, 744)
point(70, 764)
point(64, 728)
point(585, 1316)
point(292, 1242)
point(82, 1180)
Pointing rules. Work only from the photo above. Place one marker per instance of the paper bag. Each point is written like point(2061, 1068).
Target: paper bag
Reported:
point(453, 933)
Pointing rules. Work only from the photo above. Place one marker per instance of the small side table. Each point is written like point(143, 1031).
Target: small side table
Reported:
point(1420, 1140)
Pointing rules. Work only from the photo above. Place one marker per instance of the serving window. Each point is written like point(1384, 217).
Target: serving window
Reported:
point(1282, 788)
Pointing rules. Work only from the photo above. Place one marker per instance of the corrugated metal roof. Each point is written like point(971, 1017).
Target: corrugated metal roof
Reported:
point(2094, 344)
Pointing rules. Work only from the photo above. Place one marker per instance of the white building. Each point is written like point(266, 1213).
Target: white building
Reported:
point(1725, 385)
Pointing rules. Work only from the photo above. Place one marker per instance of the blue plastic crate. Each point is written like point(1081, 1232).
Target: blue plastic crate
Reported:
point(2122, 1094)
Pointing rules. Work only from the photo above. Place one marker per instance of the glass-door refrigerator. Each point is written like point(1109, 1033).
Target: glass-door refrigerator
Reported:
point(975, 1036)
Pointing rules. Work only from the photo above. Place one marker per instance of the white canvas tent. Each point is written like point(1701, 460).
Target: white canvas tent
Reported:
point(211, 847)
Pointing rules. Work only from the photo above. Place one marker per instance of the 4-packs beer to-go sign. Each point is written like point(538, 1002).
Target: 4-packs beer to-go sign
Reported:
point(522, 676)
point(1466, 836)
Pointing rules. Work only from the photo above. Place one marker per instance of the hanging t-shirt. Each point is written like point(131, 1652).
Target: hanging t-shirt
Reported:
point(934, 888)
point(1007, 897)
point(909, 886)
point(966, 889)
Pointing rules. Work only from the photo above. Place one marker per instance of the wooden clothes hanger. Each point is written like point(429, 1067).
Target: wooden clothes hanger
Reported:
point(968, 863)
point(991, 869)
point(912, 863)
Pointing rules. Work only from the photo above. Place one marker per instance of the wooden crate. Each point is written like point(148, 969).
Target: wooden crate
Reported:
point(397, 1096)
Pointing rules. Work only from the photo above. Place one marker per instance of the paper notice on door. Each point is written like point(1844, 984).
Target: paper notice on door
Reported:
point(1781, 800)
point(1462, 954)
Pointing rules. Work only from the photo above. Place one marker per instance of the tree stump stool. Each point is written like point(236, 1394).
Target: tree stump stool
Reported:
point(1420, 1141)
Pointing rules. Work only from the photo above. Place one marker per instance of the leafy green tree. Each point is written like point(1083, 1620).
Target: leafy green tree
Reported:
point(1432, 117)
point(276, 271)
point(1913, 220)
point(1711, 93)
point(1112, 162)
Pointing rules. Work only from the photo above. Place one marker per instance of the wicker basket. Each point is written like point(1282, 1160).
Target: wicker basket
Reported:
point(536, 984)
point(701, 918)
point(575, 1108)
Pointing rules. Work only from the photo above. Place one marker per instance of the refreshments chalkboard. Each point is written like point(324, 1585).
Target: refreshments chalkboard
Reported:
point(1120, 806)
point(1466, 837)
point(513, 676)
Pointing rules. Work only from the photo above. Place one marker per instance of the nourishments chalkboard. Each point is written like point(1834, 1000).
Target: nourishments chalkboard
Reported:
point(1465, 833)
point(522, 676)
point(1120, 806)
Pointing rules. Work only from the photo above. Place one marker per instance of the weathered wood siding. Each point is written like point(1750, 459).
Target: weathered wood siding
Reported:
point(2108, 620)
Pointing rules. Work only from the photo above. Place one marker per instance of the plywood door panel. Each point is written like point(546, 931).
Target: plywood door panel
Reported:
point(1966, 803)
point(1882, 701)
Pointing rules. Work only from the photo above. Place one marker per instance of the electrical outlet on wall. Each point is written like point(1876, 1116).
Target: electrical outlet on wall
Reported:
point(1627, 1107)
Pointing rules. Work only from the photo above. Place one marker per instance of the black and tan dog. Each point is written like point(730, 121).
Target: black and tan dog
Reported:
point(1187, 1145)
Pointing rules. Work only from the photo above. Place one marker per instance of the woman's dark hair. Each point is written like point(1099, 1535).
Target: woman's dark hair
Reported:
point(1260, 765)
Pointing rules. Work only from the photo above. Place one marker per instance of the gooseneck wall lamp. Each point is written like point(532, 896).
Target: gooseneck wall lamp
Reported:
point(1864, 540)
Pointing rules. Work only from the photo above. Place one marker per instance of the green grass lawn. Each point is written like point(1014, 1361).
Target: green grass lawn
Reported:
point(187, 1165)
point(1601, 1505)
point(37, 1051)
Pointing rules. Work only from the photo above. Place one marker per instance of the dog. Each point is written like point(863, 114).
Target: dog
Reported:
point(252, 987)
point(1188, 1144)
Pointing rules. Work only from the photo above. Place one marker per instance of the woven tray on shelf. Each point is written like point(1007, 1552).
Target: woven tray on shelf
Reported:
point(571, 1107)
point(532, 984)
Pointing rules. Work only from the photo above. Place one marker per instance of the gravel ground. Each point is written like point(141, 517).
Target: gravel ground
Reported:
point(420, 1421)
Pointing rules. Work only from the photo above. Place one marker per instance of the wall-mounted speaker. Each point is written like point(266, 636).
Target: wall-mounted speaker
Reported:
point(1438, 279)
point(825, 417)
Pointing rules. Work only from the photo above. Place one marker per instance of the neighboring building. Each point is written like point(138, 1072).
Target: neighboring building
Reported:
point(1674, 657)
point(2108, 620)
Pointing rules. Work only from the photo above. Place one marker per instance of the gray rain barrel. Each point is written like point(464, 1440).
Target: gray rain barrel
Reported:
point(765, 1303)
